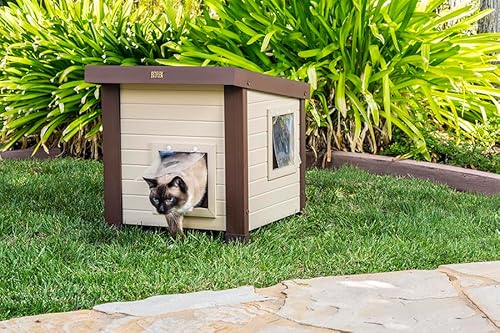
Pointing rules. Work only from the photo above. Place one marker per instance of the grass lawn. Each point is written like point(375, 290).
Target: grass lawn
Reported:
point(58, 255)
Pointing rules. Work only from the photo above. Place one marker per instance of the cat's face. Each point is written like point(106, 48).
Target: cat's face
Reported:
point(166, 197)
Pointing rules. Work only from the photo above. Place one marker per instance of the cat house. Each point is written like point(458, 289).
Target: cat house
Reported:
point(248, 127)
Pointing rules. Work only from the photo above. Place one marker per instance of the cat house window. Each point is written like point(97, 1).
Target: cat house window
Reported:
point(282, 148)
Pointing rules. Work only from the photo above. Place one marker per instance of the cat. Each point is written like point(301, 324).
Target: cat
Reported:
point(180, 187)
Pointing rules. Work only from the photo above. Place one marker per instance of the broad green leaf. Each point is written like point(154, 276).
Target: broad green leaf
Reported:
point(340, 102)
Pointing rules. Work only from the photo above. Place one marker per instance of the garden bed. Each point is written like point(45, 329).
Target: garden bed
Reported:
point(23, 154)
point(59, 255)
point(461, 179)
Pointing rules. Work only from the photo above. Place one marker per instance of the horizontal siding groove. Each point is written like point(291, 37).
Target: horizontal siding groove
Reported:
point(145, 157)
point(257, 125)
point(258, 140)
point(291, 176)
point(135, 172)
point(148, 213)
point(151, 212)
point(259, 118)
point(142, 203)
point(251, 165)
point(275, 190)
point(264, 148)
point(258, 180)
point(139, 187)
point(260, 164)
point(145, 149)
point(167, 112)
point(184, 105)
point(147, 196)
point(139, 218)
point(180, 106)
point(147, 166)
point(174, 128)
point(208, 122)
point(168, 137)
point(272, 206)
point(274, 100)
point(132, 141)
point(187, 136)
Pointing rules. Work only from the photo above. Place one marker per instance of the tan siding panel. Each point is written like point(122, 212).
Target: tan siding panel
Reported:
point(147, 218)
point(256, 157)
point(261, 186)
point(144, 157)
point(257, 125)
point(274, 213)
point(173, 128)
point(257, 141)
point(143, 142)
point(141, 202)
point(280, 197)
point(172, 112)
point(260, 109)
point(135, 172)
point(273, 197)
point(180, 97)
point(258, 97)
point(257, 172)
point(192, 115)
point(139, 187)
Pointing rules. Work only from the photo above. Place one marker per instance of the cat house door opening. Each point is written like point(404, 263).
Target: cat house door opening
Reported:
point(282, 150)
point(182, 177)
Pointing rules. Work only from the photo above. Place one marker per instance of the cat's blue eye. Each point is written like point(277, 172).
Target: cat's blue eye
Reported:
point(156, 200)
point(170, 200)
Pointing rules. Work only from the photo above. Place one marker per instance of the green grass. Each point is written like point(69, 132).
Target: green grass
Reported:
point(58, 255)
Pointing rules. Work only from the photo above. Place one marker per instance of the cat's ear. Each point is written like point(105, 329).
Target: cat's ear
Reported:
point(152, 182)
point(178, 182)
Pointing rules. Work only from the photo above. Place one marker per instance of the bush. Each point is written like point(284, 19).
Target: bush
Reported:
point(373, 65)
point(445, 149)
point(43, 51)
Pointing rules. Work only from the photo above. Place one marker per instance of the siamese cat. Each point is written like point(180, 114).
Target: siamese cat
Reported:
point(179, 186)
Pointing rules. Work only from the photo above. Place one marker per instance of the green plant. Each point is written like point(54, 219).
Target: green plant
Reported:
point(44, 48)
point(4, 2)
point(444, 148)
point(373, 65)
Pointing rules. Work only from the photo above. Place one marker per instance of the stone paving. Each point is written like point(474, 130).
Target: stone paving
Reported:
point(453, 298)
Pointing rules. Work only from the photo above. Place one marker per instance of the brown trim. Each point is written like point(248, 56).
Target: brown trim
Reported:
point(110, 104)
point(236, 154)
point(303, 163)
point(461, 179)
point(27, 154)
point(227, 76)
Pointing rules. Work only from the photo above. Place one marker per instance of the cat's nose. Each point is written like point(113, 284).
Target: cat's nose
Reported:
point(161, 209)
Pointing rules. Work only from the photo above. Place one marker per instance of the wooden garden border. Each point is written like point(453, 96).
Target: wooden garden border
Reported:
point(27, 154)
point(461, 179)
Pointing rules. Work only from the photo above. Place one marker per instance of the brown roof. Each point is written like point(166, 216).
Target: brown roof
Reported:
point(227, 76)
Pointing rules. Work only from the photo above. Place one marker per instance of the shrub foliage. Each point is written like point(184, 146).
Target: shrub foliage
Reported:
point(44, 49)
point(373, 65)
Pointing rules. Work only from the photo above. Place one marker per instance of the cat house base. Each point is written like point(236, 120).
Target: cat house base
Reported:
point(249, 127)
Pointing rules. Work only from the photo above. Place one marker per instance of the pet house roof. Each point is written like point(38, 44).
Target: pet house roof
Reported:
point(227, 76)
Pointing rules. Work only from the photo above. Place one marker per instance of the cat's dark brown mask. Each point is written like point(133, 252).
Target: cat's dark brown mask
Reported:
point(167, 196)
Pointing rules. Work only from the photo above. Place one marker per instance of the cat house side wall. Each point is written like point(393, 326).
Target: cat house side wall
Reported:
point(153, 114)
point(270, 199)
